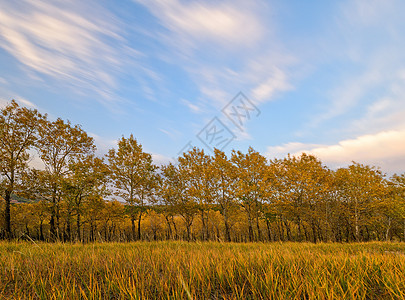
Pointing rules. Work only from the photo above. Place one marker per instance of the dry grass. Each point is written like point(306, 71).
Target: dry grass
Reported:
point(180, 270)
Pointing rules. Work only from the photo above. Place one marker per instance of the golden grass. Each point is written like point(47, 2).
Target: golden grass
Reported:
point(181, 270)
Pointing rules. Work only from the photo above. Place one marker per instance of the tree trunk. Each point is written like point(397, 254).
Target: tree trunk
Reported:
point(288, 230)
point(52, 231)
point(139, 225)
point(299, 229)
point(269, 231)
point(41, 231)
point(387, 233)
point(91, 237)
point(280, 231)
point(356, 220)
point(7, 216)
point(404, 229)
point(52, 228)
point(227, 232)
point(78, 227)
point(175, 228)
point(314, 238)
point(58, 218)
point(68, 226)
point(347, 231)
point(169, 228)
point(259, 233)
point(133, 226)
point(250, 228)
point(203, 235)
point(227, 227)
point(188, 231)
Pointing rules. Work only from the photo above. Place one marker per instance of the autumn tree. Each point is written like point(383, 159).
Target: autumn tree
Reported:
point(250, 169)
point(133, 176)
point(395, 206)
point(360, 189)
point(113, 217)
point(302, 184)
point(41, 211)
point(94, 209)
point(87, 178)
point(223, 187)
point(18, 133)
point(59, 143)
point(175, 194)
point(197, 167)
point(167, 194)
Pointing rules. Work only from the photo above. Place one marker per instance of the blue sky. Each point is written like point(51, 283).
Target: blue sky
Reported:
point(324, 77)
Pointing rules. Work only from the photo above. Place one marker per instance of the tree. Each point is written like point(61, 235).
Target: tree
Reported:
point(133, 176)
point(197, 168)
point(18, 133)
point(251, 185)
point(59, 143)
point(395, 207)
point(360, 188)
point(302, 185)
point(168, 193)
point(87, 178)
point(224, 186)
point(175, 194)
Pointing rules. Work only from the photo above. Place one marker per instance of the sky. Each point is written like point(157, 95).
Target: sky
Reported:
point(321, 77)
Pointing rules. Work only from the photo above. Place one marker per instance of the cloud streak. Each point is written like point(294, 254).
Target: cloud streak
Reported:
point(225, 47)
point(64, 42)
point(222, 23)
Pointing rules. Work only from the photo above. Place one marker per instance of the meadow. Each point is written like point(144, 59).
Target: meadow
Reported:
point(210, 270)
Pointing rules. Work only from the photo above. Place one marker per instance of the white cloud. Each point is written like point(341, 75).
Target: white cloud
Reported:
point(220, 22)
point(385, 149)
point(26, 102)
point(20, 100)
point(65, 41)
point(193, 107)
point(276, 82)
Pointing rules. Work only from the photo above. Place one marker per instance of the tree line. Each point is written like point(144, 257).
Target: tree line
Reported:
point(124, 196)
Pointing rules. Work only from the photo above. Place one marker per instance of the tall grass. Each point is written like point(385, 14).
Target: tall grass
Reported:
point(180, 270)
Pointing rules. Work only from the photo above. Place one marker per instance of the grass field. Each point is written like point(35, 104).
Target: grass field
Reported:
point(181, 270)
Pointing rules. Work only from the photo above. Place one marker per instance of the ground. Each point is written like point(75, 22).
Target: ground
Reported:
point(181, 270)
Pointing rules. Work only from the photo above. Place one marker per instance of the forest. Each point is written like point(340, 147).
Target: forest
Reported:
point(124, 196)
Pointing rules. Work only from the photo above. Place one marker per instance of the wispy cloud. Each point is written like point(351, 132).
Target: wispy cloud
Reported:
point(70, 42)
point(225, 47)
point(22, 101)
point(219, 22)
point(276, 82)
point(194, 108)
